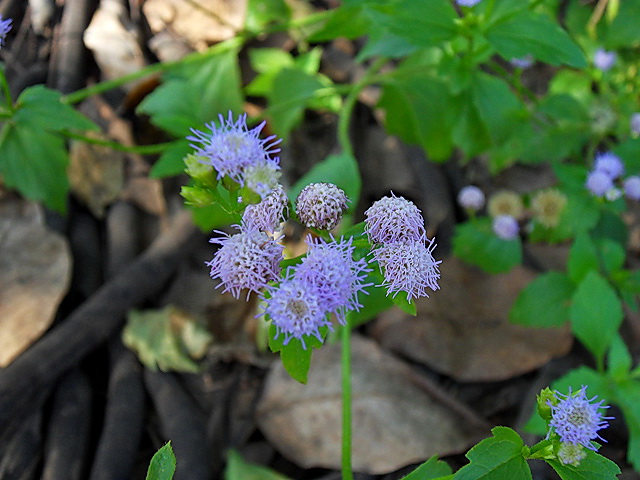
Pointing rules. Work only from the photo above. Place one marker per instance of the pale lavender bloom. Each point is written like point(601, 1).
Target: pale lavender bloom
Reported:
point(267, 215)
point(522, 62)
point(321, 205)
point(468, 3)
point(231, 148)
point(471, 198)
point(394, 219)
point(603, 59)
point(5, 27)
point(635, 123)
point(632, 187)
point(610, 164)
point(408, 266)
point(576, 419)
point(599, 183)
point(506, 227)
point(296, 311)
point(247, 260)
point(262, 177)
point(333, 276)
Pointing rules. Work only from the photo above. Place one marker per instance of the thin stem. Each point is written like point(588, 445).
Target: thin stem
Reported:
point(350, 102)
point(6, 91)
point(141, 149)
point(347, 472)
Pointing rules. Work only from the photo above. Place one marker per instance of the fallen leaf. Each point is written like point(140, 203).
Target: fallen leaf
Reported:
point(35, 270)
point(463, 329)
point(394, 422)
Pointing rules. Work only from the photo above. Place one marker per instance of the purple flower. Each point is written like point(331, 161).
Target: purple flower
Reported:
point(296, 311)
point(232, 148)
point(603, 59)
point(267, 215)
point(321, 205)
point(506, 227)
point(576, 419)
point(599, 183)
point(522, 62)
point(249, 259)
point(471, 198)
point(632, 187)
point(334, 277)
point(635, 123)
point(467, 3)
point(408, 267)
point(610, 164)
point(5, 26)
point(394, 219)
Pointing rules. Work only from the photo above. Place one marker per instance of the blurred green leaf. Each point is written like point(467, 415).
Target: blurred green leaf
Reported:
point(627, 397)
point(432, 469)
point(238, 469)
point(544, 302)
point(619, 361)
point(171, 162)
point(163, 464)
point(593, 467)
point(583, 258)
point(260, 13)
point(296, 360)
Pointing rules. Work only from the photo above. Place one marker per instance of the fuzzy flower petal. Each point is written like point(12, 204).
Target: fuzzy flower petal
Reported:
point(471, 198)
point(603, 59)
point(333, 276)
point(632, 187)
point(599, 183)
point(321, 205)
point(233, 147)
point(610, 164)
point(394, 219)
point(409, 267)
point(576, 419)
point(468, 3)
point(247, 260)
point(505, 226)
point(5, 27)
point(267, 215)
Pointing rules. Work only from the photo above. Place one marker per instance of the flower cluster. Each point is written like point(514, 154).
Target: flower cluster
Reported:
point(576, 420)
point(404, 253)
point(603, 59)
point(267, 215)
point(327, 281)
point(607, 170)
point(321, 205)
point(547, 206)
point(237, 152)
point(471, 198)
point(5, 27)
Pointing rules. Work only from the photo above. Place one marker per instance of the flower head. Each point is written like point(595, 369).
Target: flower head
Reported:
point(603, 59)
point(505, 203)
point(576, 419)
point(249, 259)
point(262, 177)
point(471, 198)
point(468, 3)
point(634, 124)
point(296, 311)
point(409, 267)
point(267, 215)
point(548, 205)
point(333, 276)
point(522, 62)
point(232, 147)
point(506, 227)
point(599, 183)
point(321, 205)
point(5, 26)
point(632, 187)
point(610, 164)
point(394, 219)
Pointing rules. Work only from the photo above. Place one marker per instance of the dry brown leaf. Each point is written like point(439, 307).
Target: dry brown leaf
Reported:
point(463, 329)
point(35, 269)
point(394, 422)
point(96, 174)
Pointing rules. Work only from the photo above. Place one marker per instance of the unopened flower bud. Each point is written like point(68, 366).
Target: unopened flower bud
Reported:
point(321, 205)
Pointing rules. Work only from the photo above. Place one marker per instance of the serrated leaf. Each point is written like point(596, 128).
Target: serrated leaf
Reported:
point(596, 314)
point(593, 467)
point(341, 170)
point(432, 469)
point(496, 458)
point(530, 33)
point(475, 243)
point(544, 302)
point(163, 464)
point(166, 339)
point(583, 258)
point(239, 469)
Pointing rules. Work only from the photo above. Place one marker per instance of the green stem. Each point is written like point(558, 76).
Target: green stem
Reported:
point(141, 149)
point(347, 472)
point(350, 102)
point(6, 91)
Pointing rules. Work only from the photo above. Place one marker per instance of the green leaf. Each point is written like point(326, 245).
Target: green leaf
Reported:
point(496, 458)
point(535, 34)
point(544, 302)
point(260, 13)
point(163, 464)
point(295, 358)
point(582, 211)
point(612, 254)
point(430, 470)
point(420, 109)
point(593, 467)
point(239, 469)
point(349, 21)
point(582, 258)
point(623, 31)
point(167, 339)
point(475, 243)
point(596, 314)
point(619, 361)
point(375, 302)
point(400, 300)
point(341, 170)
point(213, 216)
point(627, 397)
point(171, 162)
